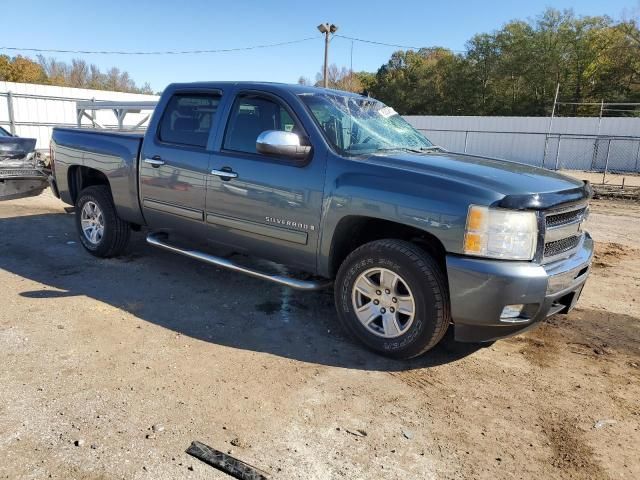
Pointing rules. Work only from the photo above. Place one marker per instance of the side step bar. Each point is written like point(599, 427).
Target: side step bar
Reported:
point(159, 240)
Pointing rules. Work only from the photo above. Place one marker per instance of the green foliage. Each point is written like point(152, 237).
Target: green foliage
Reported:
point(515, 70)
point(78, 74)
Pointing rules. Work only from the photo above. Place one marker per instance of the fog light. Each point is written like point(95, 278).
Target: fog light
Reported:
point(511, 312)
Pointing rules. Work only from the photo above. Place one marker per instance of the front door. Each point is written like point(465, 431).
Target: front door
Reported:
point(267, 206)
point(174, 164)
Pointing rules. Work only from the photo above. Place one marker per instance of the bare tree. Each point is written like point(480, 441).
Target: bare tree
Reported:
point(78, 74)
point(340, 79)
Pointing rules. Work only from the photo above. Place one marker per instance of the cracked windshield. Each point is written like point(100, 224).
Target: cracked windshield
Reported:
point(360, 126)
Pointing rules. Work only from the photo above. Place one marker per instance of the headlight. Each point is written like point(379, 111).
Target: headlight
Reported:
point(499, 233)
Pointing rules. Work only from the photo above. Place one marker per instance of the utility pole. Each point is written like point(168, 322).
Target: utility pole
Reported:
point(327, 29)
point(553, 114)
point(351, 69)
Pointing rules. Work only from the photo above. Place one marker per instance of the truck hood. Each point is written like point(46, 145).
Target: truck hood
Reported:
point(500, 176)
point(16, 151)
point(19, 173)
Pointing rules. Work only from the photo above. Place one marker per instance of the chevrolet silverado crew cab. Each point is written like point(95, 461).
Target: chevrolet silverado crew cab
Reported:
point(340, 187)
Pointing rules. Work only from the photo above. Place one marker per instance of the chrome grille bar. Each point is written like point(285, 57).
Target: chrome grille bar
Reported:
point(563, 231)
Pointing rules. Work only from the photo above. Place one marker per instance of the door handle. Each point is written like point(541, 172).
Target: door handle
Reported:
point(225, 173)
point(154, 161)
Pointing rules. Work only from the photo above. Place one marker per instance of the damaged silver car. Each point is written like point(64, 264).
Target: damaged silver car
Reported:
point(23, 172)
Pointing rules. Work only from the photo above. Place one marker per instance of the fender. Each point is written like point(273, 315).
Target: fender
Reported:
point(434, 204)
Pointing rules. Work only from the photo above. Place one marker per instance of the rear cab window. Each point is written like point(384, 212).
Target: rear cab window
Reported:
point(188, 118)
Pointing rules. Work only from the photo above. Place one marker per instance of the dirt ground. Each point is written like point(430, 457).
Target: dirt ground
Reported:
point(98, 352)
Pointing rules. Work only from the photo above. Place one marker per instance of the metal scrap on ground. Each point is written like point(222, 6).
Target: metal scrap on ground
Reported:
point(228, 464)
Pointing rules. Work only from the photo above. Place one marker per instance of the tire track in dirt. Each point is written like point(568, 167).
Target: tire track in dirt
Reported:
point(418, 379)
point(610, 254)
point(571, 454)
point(540, 346)
point(596, 336)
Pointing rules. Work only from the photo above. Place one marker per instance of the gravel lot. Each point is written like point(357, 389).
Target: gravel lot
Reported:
point(96, 352)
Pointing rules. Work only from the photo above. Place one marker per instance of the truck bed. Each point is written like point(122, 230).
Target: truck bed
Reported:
point(101, 131)
point(114, 153)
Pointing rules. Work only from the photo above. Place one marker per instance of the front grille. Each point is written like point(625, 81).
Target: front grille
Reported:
point(563, 231)
point(564, 218)
point(561, 246)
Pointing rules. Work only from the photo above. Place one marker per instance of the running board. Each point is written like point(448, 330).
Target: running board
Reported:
point(159, 240)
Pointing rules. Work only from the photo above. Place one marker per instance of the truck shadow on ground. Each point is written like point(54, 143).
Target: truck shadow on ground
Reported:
point(192, 298)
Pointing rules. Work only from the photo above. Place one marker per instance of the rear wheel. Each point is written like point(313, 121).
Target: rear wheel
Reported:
point(392, 296)
point(102, 233)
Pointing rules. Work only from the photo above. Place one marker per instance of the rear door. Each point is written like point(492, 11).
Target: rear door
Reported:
point(272, 207)
point(174, 162)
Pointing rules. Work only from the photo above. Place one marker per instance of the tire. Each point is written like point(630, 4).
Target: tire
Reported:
point(115, 231)
point(421, 288)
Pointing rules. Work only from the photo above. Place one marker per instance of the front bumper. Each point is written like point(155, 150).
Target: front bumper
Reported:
point(480, 289)
point(28, 184)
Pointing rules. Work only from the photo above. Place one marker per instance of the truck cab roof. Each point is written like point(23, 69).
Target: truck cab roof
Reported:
point(285, 87)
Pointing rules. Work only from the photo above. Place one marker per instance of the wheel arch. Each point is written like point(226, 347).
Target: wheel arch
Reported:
point(354, 231)
point(80, 177)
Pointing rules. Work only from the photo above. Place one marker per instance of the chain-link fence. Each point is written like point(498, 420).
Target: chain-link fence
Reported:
point(595, 153)
point(591, 153)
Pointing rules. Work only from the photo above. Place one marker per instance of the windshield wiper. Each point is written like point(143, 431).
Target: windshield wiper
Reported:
point(396, 149)
point(412, 150)
point(432, 148)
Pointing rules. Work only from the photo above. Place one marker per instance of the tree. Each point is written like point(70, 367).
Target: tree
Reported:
point(5, 62)
point(56, 72)
point(415, 81)
point(367, 81)
point(146, 89)
point(20, 69)
point(78, 74)
point(96, 79)
point(513, 70)
point(340, 79)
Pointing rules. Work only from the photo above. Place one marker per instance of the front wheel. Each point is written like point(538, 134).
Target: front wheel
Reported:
point(392, 296)
point(102, 233)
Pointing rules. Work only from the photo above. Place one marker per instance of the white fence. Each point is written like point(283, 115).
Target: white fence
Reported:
point(30, 110)
point(591, 144)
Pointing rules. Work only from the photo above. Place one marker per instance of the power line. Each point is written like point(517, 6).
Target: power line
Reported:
point(373, 42)
point(409, 47)
point(162, 52)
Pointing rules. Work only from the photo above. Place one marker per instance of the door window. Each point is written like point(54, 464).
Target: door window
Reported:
point(250, 116)
point(188, 118)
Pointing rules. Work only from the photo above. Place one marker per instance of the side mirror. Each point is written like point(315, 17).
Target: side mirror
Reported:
point(284, 144)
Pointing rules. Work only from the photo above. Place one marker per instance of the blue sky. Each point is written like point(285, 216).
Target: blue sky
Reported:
point(187, 25)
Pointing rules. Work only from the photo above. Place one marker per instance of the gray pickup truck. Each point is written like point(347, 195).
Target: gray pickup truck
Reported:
point(340, 187)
